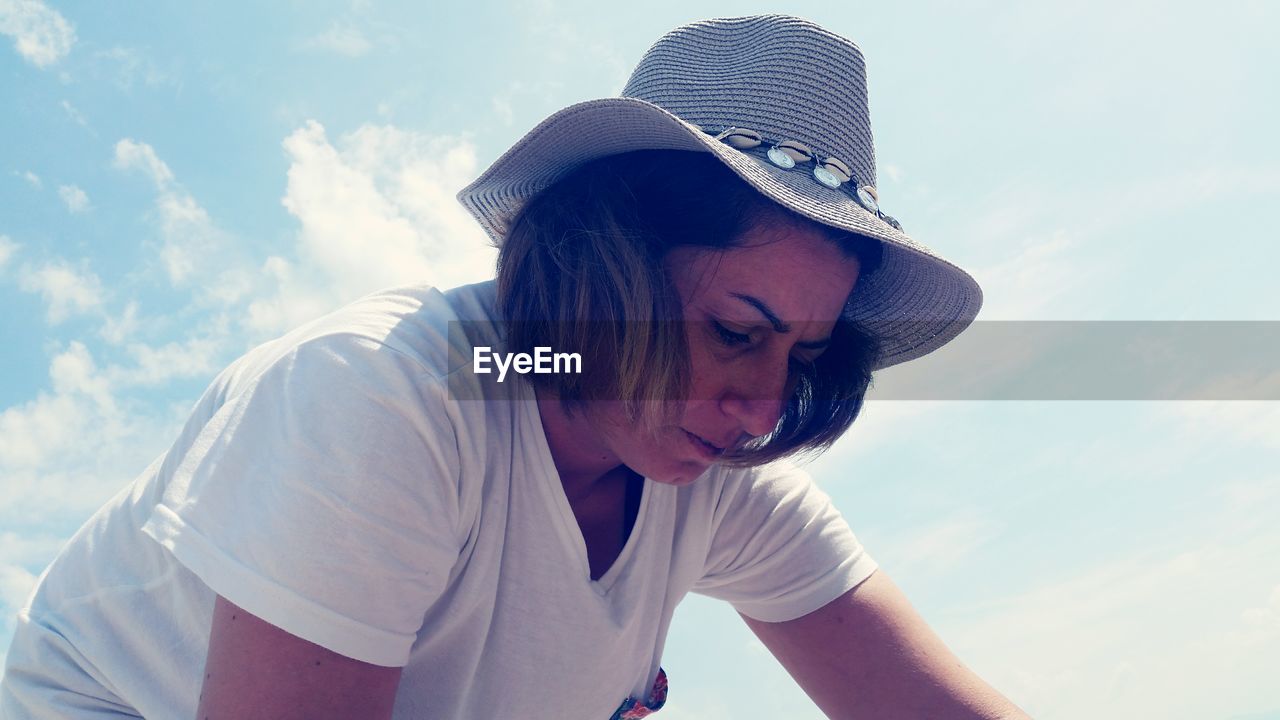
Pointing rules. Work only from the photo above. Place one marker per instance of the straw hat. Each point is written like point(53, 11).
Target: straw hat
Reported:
point(783, 103)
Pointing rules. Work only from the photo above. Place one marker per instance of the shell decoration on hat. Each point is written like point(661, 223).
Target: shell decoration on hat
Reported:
point(791, 154)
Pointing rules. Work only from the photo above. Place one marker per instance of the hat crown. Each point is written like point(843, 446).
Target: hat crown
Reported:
point(782, 76)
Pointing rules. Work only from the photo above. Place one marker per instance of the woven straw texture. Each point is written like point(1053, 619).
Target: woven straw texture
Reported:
point(787, 79)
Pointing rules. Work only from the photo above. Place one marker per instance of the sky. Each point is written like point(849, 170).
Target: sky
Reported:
point(180, 182)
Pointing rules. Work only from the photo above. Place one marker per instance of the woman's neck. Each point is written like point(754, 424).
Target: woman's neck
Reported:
point(580, 451)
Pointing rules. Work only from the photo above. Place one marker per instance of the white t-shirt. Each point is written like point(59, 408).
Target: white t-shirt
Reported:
point(357, 485)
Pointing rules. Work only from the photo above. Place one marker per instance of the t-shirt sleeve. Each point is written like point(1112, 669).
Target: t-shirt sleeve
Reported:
point(323, 497)
point(779, 549)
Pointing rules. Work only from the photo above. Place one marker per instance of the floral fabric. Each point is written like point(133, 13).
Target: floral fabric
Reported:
point(633, 709)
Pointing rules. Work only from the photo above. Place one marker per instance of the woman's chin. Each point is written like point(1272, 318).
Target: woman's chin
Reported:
point(678, 473)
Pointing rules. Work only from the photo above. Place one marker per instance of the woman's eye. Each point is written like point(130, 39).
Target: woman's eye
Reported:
point(799, 366)
point(729, 337)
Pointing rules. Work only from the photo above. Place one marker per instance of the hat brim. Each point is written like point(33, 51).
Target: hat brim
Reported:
point(914, 303)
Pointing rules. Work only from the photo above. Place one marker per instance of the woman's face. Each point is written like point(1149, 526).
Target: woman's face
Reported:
point(750, 312)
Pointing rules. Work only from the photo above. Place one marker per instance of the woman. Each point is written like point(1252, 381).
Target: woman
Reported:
point(359, 521)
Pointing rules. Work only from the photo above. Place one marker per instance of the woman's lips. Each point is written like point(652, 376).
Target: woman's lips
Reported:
point(704, 448)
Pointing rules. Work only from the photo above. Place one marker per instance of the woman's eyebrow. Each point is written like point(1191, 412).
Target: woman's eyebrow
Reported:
point(779, 326)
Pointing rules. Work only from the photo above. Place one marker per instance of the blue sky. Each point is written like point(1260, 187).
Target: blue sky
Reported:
point(181, 182)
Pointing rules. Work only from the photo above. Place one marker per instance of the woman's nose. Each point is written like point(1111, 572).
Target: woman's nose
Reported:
point(754, 397)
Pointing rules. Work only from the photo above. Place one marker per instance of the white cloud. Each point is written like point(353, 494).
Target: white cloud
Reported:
point(529, 96)
point(190, 238)
point(190, 242)
point(66, 290)
point(34, 432)
point(1266, 617)
point(74, 114)
point(376, 210)
point(694, 703)
point(1053, 261)
point(1108, 641)
point(42, 429)
point(502, 106)
point(1226, 423)
point(15, 585)
point(115, 330)
point(40, 34)
point(131, 66)
point(27, 550)
point(567, 40)
point(32, 179)
point(341, 39)
point(21, 558)
point(65, 451)
point(7, 249)
point(141, 156)
point(931, 550)
point(192, 358)
point(74, 198)
point(1022, 287)
point(879, 421)
point(74, 373)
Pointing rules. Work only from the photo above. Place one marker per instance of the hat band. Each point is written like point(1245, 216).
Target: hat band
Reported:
point(828, 171)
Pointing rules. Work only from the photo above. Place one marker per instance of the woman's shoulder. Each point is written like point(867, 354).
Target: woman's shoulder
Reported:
point(425, 329)
point(433, 328)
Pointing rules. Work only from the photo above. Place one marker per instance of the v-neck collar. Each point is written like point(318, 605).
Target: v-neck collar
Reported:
point(561, 511)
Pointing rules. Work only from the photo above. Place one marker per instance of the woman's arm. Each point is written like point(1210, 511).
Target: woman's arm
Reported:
point(869, 654)
point(256, 670)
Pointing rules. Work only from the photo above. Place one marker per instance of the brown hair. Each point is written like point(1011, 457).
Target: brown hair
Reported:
point(581, 267)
